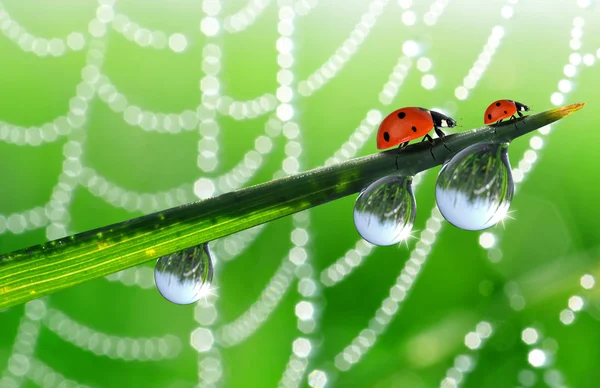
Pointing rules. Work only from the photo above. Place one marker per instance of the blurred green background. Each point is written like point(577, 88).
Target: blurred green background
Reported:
point(96, 333)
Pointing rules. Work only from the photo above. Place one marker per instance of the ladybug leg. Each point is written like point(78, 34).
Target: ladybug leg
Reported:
point(496, 125)
point(400, 148)
point(513, 117)
point(442, 136)
point(430, 140)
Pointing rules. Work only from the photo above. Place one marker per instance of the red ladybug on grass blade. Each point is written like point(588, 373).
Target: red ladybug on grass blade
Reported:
point(503, 109)
point(406, 124)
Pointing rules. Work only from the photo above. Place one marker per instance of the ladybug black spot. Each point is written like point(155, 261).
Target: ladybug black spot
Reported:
point(401, 115)
point(489, 116)
point(386, 136)
point(414, 129)
point(505, 112)
point(497, 104)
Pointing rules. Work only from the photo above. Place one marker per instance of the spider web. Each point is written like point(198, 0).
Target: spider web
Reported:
point(282, 131)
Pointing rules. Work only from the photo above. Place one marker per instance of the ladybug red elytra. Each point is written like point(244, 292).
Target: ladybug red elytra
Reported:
point(409, 123)
point(503, 109)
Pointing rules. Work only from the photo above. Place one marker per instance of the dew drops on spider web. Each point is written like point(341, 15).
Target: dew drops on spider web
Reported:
point(285, 60)
point(588, 59)
point(428, 81)
point(317, 379)
point(210, 26)
point(202, 339)
point(263, 144)
point(105, 13)
point(171, 123)
point(302, 347)
point(385, 211)
point(132, 115)
point(26, 42)
point(178, 42)
point(473, 340)
point(143, 37)
point(475, 188)
point(537, 358)
point(307, 326)
point(587, 281)
point(299, 237)
point(584, 3)
point(507, 12)
point(464, 363)
point(211, 7)
point(409, 18)
point(209, 128)
point(285, 77)
point(410, 48)
point(158, 40)
point(298, 255)
point(96, 28)
point(304, 310)
point(484, 329)
point(184, 277)
point(56, 47)
point(576, 303)
point(188, 120)
point(284, 94)
point(204, 188)
point(285, 112)
point(487, 240)
point(307, 287)
point(575, 59)
point(530, 336)
point(40, 47)
point(557, 99)
point(570, 70)
point(210, 85)
point(424, 64)
point(284, 44)
point(461, 93)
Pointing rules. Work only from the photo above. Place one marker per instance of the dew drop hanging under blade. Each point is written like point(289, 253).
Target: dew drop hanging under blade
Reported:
point(385, 211)
point(475, 188)
point(184, 277)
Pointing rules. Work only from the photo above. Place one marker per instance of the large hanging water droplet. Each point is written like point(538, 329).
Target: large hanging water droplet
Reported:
point(185, 276)
point(385, 211)
point(474, 189)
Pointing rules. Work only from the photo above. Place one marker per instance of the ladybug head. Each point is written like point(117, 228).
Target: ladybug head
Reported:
point(441, 120)
point(521, 107)
point(450, 122)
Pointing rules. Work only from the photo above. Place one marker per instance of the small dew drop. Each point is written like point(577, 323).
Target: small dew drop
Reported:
point(385, 211)
point(474, 189)
point(185, 276)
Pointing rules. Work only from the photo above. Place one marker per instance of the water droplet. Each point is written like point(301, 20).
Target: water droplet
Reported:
point(385, 211)
point(185, 276)
point(474, 189)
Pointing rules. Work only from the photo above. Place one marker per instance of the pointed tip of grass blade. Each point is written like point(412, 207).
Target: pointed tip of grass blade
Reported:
point(568, 109)
point(563, 111)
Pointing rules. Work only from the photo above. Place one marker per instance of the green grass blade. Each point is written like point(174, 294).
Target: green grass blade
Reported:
point(43, 269)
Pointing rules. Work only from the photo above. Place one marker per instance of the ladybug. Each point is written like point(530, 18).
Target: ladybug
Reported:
point(503, 109)
point(406, 124)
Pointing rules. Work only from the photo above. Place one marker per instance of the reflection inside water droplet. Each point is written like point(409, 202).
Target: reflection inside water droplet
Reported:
point(474, 189)
point(185, 276)
point(385, 211)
